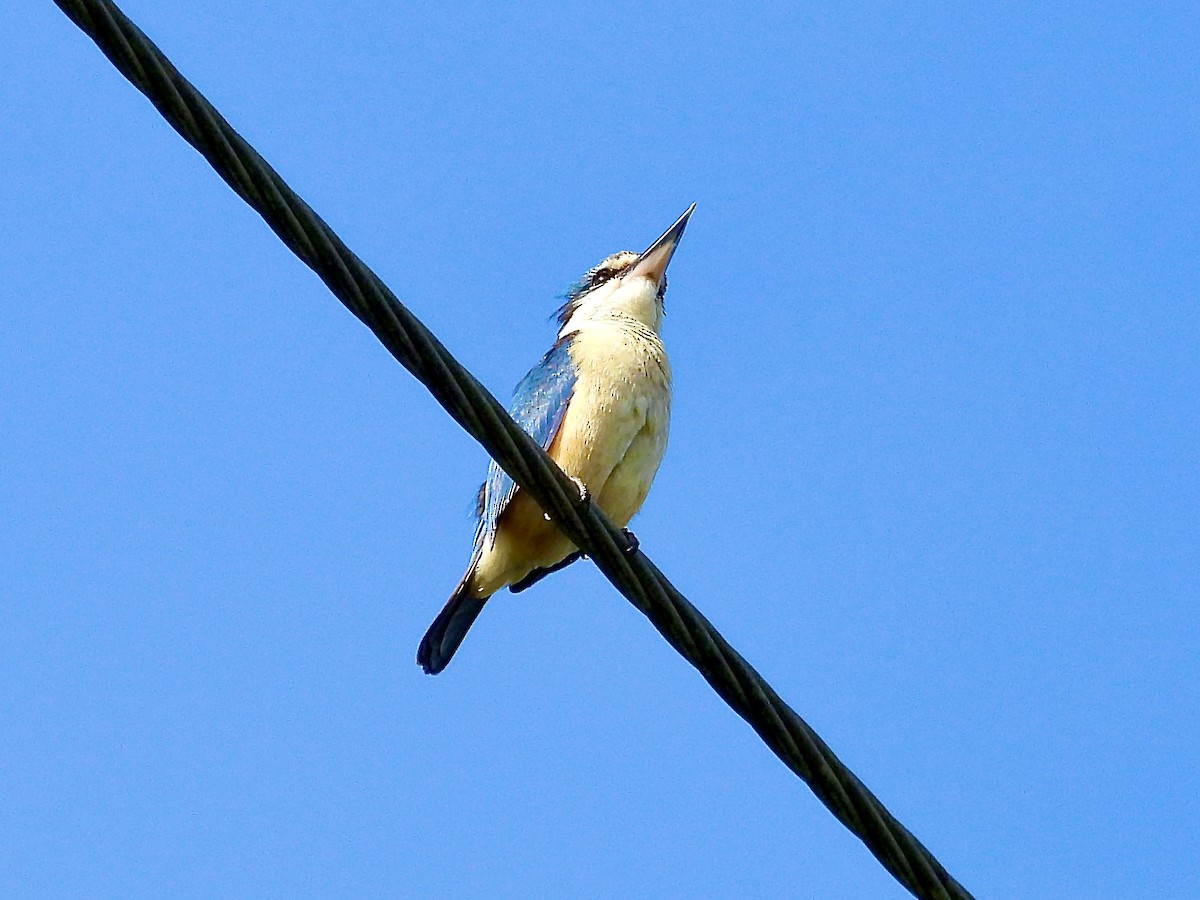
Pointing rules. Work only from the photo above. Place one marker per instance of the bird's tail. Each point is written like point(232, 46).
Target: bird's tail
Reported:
point(450, 627)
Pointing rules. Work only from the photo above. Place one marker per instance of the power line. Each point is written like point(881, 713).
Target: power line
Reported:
point(478, 412)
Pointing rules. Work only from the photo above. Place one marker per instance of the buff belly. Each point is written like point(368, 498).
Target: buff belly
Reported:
point(612, 438)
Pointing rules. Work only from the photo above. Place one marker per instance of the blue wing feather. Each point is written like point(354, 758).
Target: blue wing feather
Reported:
point(538, 405)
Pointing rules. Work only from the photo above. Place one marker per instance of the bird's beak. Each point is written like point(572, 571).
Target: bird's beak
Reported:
point(653, 263)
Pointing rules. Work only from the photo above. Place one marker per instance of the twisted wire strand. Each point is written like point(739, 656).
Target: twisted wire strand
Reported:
point(479, 413)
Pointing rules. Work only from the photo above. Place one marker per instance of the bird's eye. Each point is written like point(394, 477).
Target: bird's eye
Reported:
point(601, 276)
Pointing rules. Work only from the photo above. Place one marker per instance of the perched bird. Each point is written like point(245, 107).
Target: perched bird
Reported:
point(599, 403)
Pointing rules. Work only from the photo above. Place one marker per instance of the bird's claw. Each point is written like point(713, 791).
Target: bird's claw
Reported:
point(634, 543)
point(584, 496)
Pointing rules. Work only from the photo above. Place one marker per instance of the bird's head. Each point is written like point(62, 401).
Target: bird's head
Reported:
point(625, 284)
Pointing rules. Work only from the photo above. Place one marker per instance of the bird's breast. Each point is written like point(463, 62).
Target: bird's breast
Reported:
point(615, 431)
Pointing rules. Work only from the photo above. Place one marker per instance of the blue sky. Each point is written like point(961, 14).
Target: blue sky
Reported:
point(933, 462)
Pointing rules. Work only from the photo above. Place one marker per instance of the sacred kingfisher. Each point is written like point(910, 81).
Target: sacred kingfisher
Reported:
point(599, 403)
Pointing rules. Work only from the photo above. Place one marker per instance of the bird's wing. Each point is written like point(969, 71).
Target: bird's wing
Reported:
point(538, 405)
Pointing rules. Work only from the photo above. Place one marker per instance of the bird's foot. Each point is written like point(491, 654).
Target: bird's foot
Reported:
point(634, 543)
point(584, 496)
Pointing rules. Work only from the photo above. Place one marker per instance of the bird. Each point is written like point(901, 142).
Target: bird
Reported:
point(599, 404)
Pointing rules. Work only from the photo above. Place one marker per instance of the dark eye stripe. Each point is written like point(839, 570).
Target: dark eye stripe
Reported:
point(594, 278)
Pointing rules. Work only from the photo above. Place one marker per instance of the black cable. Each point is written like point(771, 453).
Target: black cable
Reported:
point(477, 411)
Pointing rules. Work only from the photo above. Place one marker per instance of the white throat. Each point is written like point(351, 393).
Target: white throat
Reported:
point(632, 299)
